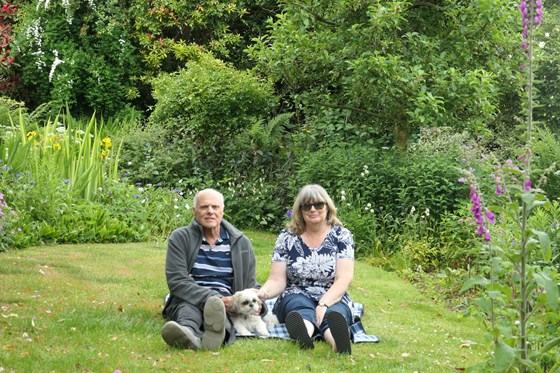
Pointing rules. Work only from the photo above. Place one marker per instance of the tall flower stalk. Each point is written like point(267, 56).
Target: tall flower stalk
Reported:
point(531, 17)
point(525, 288)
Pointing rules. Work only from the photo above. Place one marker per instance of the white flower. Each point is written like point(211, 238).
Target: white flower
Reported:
point(427, 212)
point(187, 206)
point(542, 44)
point(176, 207)
point(412, 209)
point(57, 61)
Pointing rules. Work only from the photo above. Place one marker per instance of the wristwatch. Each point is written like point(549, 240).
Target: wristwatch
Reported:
point(323, 305)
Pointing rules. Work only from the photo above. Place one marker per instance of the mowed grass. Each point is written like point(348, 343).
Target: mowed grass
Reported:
point(97, 308)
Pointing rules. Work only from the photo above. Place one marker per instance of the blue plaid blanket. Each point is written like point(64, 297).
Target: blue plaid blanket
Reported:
point(356, 329)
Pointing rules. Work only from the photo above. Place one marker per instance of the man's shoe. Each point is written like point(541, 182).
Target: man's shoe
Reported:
point(214, 324)
point(180, 336)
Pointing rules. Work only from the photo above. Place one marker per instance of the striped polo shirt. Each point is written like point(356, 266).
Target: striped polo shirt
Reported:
point(213, 268)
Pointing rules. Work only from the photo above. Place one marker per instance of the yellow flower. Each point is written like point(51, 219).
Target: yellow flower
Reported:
point(31, 134)
point(106, 142)
point(57, 147)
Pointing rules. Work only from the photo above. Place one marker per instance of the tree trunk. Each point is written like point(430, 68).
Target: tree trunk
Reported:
point(402, 133)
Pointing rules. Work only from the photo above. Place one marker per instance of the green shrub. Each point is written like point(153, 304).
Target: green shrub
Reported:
point(147, 157)
point(255, 204)
point(547, 158)
point(387, 179)
point(11, 231)
point(59, 184)
point(207, 105)
point(150, 210)
point(77, 53)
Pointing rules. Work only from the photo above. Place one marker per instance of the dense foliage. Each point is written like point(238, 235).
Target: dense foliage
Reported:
point(8, 12)
point(101, 55)
point(77, 53)
point(394, 65)
point(58, 184)
point(403, 110)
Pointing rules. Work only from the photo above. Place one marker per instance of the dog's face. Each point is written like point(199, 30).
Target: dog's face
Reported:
point(245, 302)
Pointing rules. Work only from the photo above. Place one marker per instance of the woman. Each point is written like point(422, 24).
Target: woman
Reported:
point(312, 267)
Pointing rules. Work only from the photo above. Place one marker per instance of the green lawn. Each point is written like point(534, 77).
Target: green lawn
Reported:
point(96, 308)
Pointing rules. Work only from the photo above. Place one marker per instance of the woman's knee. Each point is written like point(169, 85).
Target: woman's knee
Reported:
point(296, 302)
point(341, 308)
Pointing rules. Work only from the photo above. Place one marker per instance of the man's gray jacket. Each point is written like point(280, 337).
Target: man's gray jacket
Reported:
point(182, 249)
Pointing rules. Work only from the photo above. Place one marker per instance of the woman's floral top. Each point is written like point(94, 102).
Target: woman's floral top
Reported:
point(312, 271)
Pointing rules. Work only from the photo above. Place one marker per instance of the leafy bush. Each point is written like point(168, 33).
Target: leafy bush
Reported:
point(147, 157)
point(151, 211)
point(547, 158)
point(77, 53)
point(255, 204)
point(11, 233)
point(9, 111)
point(59, 185)
point(386, 179)
point(172, 32)
point(207, 105)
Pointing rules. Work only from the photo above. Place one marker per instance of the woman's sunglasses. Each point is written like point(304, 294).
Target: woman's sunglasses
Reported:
point(307, 206)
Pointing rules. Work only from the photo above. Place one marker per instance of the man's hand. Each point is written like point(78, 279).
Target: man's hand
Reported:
point(227, 303)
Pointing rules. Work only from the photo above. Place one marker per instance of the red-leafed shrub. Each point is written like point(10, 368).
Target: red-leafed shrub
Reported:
point(8, 80)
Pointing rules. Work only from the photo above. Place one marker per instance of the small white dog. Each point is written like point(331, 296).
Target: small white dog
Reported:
point(244, 306)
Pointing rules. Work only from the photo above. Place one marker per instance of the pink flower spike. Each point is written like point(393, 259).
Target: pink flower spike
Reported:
point(499, 190)
point(528, 185)
point(487, 236)
point(480, 231)
point(490, 216)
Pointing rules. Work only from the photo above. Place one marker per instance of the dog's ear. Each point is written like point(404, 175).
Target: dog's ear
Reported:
point(235, 302)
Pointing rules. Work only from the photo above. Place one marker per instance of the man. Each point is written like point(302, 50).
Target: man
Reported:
point(207, 261)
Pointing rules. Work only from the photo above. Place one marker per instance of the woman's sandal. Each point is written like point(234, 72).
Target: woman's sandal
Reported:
point(340, 332)
point(298, 331)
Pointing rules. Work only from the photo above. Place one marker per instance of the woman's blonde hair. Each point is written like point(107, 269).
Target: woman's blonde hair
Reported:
point(311, 193)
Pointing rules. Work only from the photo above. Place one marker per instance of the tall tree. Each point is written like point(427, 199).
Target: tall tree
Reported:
point(395, 65)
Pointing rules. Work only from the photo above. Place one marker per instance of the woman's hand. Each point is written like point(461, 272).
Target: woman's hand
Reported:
point(320, 313)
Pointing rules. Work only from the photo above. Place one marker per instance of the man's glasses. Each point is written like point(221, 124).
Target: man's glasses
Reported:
point(307, 206)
